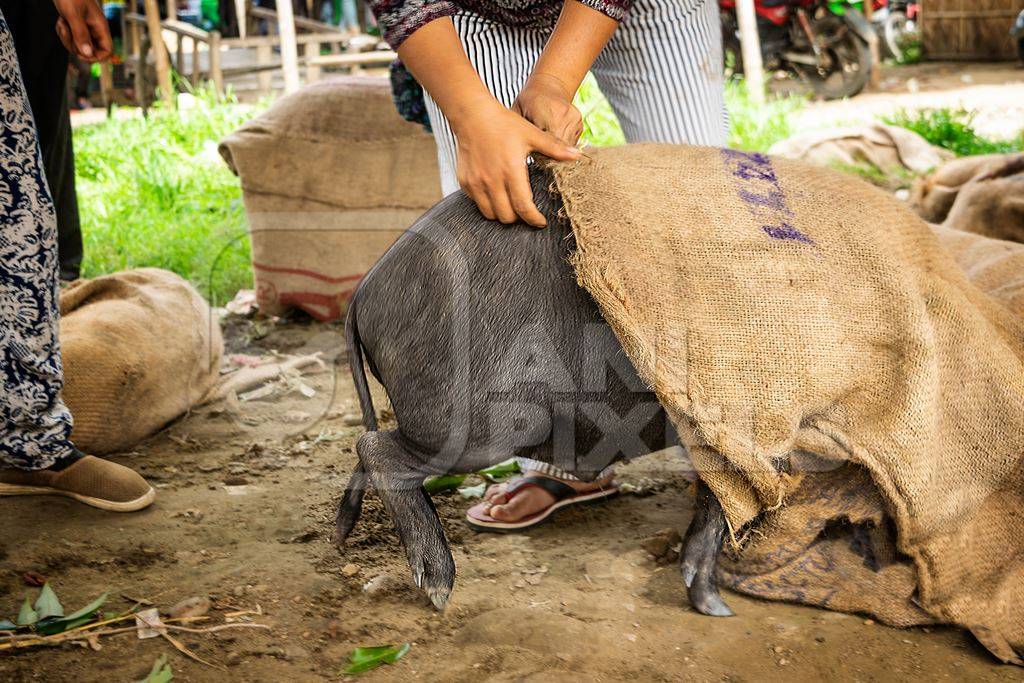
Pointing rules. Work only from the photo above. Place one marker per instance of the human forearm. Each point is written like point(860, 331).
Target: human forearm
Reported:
point(436, 58)
point(579, 36)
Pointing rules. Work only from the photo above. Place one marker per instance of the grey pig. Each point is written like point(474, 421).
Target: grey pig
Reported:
point(487, 347)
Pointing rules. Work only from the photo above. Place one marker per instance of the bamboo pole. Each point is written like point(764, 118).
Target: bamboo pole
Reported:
point(289, 49)
point(750, 47)
point(163, 62)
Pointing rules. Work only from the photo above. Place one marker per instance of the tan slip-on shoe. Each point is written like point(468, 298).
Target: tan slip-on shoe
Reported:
point(93, 481)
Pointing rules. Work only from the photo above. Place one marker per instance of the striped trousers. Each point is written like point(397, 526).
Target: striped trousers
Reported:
point(661, 72)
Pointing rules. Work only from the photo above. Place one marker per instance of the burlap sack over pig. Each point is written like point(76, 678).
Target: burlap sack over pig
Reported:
point(140, 348)
point(795, 321)
point(331, 176)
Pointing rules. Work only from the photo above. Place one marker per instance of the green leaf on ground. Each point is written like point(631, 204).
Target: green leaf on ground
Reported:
point(446, 482)
point(7, 625)
point(47, 604)
point(88, 609)
point(27, 616)
point(52, 625)
point(500, 471)
point(365, 658)
point(160, 673)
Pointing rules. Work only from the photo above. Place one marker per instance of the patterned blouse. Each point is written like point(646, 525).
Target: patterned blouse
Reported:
point(399, 19)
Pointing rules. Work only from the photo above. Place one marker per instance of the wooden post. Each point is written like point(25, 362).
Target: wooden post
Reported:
point(264, 53)
point(312, 69)
point(196, 66)
point(876, 52)
point(216, 75)
point(750, 46)
point(107, 85)
point(289, 50)
point(242, 17)
point(163, 62)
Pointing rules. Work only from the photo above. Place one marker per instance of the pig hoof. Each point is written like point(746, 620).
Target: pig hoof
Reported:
point(438, 596)
point(707, 601)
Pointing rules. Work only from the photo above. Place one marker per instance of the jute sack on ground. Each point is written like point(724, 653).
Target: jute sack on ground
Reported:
point(994, 266)
point(889, 149)
point(787, 314)
point(856, 566)
point(932, 196)
point(140, 348)
point(993, 207)
point(331, 175)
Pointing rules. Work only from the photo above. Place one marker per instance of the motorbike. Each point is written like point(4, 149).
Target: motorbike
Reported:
point(825, 44)
point(896, 25)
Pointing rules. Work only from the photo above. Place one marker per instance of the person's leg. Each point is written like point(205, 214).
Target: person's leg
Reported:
point(36, 453)
point(36, 425)
point(43, 62)
point(662, 73)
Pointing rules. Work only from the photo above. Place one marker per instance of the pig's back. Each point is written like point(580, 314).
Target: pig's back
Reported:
point(462, 312)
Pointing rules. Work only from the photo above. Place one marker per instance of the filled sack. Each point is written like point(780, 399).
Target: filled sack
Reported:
point(139, 348)
point(331, 176)
point(991, 207)
point(826, 363)
point(887, 149)
point(932, 196)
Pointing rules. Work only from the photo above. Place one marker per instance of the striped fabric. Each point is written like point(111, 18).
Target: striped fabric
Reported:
point(661, 72)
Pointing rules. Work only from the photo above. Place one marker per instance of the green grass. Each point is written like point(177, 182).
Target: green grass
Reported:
point(953, 129)
point(753, 128)
point(154, 192)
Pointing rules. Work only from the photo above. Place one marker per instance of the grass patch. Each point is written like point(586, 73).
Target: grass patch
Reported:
point(155, 192)
point(600, 126)
point(753, 128)
point(953, 129)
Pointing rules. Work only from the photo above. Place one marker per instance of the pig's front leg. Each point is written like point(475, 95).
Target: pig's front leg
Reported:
point(397, 477)
point(699, 560)
point(350, 507)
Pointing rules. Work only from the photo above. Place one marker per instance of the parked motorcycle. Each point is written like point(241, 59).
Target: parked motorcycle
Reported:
point(896, 25)
point(822, 43)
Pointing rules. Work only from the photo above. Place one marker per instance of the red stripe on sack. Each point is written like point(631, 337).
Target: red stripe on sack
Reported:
point(307, 273)
point(323, 307)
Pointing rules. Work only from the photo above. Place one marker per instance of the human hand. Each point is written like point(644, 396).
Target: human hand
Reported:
point(493, 144)
point(546, 103)
point(83, 29)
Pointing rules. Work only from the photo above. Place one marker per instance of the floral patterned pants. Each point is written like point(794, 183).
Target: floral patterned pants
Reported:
point(35, 426)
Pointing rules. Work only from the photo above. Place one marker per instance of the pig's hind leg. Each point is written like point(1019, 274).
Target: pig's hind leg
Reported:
point(397, 477)
point(699, 560)
point(350, 507)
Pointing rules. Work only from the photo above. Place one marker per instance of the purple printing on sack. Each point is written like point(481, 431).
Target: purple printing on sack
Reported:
point(759, 188)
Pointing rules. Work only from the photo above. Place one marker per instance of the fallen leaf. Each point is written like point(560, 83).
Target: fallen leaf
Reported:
point(365, 658)
point(27, 616)
point(446, 482)
point(47, 604)
point(160, 673)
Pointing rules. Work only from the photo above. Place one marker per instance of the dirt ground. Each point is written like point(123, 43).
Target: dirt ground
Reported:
point(246, 496)
point(993, 91)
